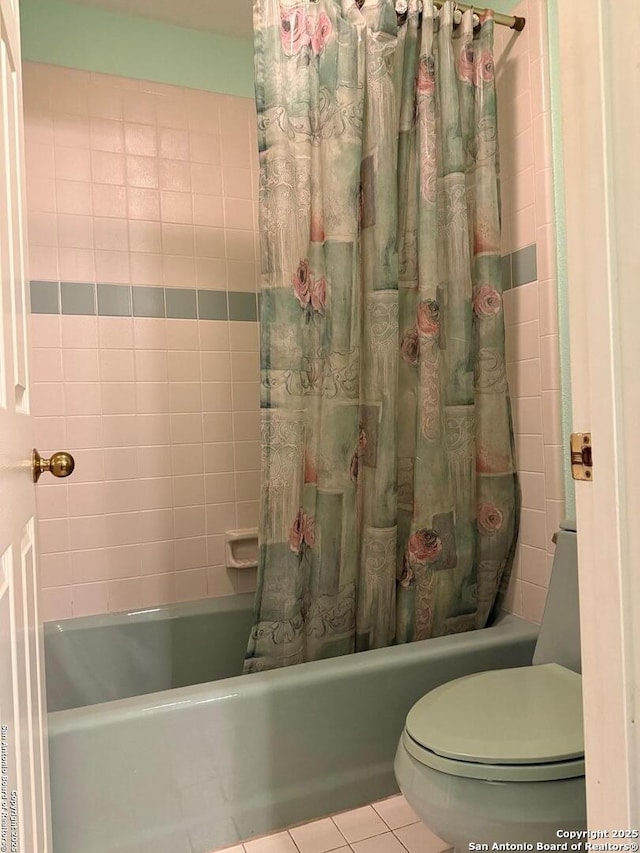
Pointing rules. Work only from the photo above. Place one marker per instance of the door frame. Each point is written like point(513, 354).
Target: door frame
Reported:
point(600, 79)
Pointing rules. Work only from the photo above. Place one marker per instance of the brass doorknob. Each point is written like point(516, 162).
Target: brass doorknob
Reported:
point(61, 464)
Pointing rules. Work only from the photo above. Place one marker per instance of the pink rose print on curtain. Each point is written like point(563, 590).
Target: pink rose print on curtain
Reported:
point(321, 34)
point(310, 292)
point(294, 29)
point(410, 346)
point(301, 283)
point(318, 293)
point(490, 519)
point(297, 31)
point(428, 318)
point(426, 80)
point(484, 70)
point(424, 547)
point(303, 533)
point(487, 302)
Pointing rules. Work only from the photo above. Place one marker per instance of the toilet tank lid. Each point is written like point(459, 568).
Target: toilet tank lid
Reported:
point(568, 524)
point(525, 715)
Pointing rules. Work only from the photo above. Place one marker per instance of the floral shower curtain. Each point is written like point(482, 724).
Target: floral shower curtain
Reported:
point(389, 495)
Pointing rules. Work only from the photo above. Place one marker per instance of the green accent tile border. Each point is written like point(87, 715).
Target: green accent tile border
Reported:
point(520, 267)
point(114, 300)
point(181, 303)
point(506, 272)
point(123, 300)
point(524, 266)
point(45, 297)
point(212, 305)
point(148, 301)
point(242, 306)
point(78, 298)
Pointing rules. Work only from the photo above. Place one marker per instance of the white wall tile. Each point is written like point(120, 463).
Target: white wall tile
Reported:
point(112, 165)
point(527, 415)
point(521, 304)
point(533, 600)
point(533, 565)
point(551, 417)
point(523, 341)
point(550, 363)
point(524, 129)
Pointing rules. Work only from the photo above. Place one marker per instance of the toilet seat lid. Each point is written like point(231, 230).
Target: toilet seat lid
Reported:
point(522, 716)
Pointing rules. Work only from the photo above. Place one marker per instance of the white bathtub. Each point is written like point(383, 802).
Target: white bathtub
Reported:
point(187, 769)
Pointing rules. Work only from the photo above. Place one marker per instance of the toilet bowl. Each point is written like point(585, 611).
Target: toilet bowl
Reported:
point(498, 756)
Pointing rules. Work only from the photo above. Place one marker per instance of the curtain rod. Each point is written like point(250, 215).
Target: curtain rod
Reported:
point(514, 22)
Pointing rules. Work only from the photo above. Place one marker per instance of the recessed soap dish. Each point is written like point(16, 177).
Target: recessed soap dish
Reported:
point(241, 548)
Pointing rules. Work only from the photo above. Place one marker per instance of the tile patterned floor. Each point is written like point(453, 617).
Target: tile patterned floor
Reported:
point(388, 826)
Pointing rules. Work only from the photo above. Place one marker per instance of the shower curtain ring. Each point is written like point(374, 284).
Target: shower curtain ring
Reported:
point(476, 18)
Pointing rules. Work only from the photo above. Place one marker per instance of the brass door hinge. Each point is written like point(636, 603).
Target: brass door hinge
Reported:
point(581, 458)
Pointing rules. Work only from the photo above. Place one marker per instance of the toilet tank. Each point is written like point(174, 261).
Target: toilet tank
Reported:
point(559, 637)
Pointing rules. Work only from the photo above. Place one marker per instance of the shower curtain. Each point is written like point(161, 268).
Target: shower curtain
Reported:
point(389, 498)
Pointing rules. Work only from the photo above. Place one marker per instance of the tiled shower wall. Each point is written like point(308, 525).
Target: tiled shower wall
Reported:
point(530, 300)
point(144, 196)
point(142, 230)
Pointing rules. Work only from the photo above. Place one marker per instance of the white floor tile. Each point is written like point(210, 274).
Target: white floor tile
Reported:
point(386, 843)
point(281, 842)
point(360, 823)
point(320, 836)
point(417, 838)
point(238, 848)
point(396, 812)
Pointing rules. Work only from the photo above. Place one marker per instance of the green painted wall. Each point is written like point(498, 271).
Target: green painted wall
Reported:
point(63, 33)
point(93, 39)
point(504, 6)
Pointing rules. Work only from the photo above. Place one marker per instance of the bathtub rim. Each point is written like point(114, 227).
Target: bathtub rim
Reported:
point(160, 613)
point(165, 701)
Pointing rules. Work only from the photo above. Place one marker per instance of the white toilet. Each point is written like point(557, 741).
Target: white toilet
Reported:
point(499, 756)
